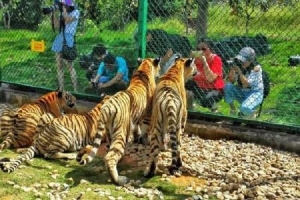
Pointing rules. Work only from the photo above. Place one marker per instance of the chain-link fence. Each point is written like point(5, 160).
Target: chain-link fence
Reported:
point(270, 27)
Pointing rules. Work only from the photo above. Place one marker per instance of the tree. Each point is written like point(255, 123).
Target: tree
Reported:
point(246, 8)
point(21, 13)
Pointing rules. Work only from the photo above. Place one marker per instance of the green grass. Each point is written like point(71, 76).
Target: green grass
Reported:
point(279, 25)
point(41, 170)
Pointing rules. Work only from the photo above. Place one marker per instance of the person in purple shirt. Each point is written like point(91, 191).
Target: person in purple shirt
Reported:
point(112, 74)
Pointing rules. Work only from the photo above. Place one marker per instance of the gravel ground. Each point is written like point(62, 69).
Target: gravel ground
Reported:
point(232, 169)
point(224, 169)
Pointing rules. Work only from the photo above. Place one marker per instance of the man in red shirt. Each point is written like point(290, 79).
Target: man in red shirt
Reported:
point(207, 86)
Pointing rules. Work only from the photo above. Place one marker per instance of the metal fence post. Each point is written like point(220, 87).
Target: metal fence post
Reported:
point(142, 27)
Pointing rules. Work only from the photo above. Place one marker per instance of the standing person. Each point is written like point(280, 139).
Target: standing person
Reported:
point(67, 23)
point(207, 86)
point(112, 75)
point(248, 91)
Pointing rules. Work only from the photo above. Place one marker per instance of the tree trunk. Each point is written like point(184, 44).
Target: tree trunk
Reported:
point(201, 22)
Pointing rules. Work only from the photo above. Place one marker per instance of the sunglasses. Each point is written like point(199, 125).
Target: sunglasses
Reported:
point(202, 49)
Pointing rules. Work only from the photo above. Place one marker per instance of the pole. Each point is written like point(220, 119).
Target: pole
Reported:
point(142, 27)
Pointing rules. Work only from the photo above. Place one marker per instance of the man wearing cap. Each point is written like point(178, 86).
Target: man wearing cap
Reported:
point(245, 83)
point(67, 23)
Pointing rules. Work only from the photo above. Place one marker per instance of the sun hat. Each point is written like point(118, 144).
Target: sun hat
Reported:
point(246, 54)
point(68, 2)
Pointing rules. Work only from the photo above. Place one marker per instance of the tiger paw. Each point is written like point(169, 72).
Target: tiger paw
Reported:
point(148, 174)
point(122, 180)
point(175, 171)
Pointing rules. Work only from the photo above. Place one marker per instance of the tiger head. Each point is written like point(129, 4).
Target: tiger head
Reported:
point(66, 99)
point(150, 64)
point(190, 69)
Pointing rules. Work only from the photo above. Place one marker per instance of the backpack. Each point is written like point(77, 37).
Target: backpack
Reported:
point(266, 82)
point(267, 88)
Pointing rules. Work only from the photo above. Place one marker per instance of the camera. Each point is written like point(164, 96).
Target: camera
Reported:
point(234, 62)
point(237, 62)
point(57, 5)
point(294, 60)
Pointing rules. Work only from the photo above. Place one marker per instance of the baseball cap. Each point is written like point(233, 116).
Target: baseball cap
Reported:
point(246, 54)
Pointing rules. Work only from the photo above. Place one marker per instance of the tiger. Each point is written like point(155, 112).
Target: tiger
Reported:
point(18, 127)
point(120, 115)
point(59, 138)
point(169, 114)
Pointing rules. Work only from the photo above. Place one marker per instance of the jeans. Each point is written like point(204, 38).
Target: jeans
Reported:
point(248, 99)
point(208, 98)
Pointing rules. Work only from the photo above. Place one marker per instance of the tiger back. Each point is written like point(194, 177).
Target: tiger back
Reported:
point(169, 114)
point(18, 127)
point(59, 138)
point(121, 114)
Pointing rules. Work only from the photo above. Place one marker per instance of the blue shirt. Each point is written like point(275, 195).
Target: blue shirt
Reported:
point(120, 67)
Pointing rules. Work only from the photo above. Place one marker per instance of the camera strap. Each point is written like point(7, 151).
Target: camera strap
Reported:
point(52, 22)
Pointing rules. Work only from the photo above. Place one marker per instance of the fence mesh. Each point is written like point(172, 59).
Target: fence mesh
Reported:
point(270, 27)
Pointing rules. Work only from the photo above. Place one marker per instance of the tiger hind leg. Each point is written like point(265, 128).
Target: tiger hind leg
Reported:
point(112, 159)
point(155, 149)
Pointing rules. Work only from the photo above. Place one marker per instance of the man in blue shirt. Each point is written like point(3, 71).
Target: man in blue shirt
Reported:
point(112, 75)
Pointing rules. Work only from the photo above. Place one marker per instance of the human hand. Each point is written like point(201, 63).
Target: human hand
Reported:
point(64, 9)
point(101, 85)
point(169, 53)
point(236, 68)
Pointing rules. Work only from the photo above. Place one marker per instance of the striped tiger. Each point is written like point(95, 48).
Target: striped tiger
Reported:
point(59, 138)
point(120, 115)
point(169, 114)
point(18, 127)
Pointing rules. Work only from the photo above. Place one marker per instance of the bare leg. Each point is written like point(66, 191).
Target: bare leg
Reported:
point(72, 74)
point(60, 71)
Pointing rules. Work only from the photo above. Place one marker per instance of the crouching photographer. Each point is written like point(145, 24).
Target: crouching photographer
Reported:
point(245, 83)
point(66, 21)
point(91, 61)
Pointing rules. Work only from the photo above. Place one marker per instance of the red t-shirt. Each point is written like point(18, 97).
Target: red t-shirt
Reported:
point(215, 64)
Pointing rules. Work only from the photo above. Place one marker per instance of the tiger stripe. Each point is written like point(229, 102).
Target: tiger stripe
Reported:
point(169, 114)
point(18, 127)
point(121, 114)
point(59, 138)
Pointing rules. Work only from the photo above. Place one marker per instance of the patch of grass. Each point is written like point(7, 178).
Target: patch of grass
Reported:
point(279, 25)
point(44, 171)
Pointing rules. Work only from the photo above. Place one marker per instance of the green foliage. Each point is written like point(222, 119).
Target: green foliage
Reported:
point(23, 14)
point(118, 12)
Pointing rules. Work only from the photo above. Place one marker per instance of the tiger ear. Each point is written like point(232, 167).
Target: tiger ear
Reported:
point(102, 95)
point(156, 61)
point(60, 92)
point(188, 62)
point(177, 57)
point(139, 61)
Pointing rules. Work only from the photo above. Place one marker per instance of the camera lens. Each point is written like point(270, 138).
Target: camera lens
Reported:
point(237, 62)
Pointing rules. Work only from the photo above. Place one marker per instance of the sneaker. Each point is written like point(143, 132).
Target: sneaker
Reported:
point(214, 110)
point(251, 116)
point(232, 112)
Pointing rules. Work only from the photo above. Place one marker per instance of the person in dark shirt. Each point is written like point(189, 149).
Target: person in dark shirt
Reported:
point(167, 46)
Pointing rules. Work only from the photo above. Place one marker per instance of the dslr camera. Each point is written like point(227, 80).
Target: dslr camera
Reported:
point(57, 5)
point(234, 62)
